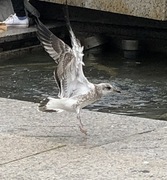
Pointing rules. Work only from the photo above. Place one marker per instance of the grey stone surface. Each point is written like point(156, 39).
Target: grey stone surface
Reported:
point(40, 146)
point(16, 34)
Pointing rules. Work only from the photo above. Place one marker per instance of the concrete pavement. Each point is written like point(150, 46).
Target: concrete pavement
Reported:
point(49, 146)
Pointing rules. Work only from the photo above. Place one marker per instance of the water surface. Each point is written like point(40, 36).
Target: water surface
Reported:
point(142, 81)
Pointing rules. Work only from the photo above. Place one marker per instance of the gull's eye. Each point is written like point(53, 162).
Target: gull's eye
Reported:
point(108, 88)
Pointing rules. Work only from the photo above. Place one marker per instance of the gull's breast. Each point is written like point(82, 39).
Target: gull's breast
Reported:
point(87, 99)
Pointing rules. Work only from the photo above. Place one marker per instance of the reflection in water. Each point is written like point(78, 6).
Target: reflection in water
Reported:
point(143, 82)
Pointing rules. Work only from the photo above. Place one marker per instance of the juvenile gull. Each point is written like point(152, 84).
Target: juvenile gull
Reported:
point(75, 91)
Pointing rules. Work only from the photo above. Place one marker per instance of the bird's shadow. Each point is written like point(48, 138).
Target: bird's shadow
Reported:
point(67, 135)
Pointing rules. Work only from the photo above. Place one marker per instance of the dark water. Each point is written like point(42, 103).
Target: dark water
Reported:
point(143, 82)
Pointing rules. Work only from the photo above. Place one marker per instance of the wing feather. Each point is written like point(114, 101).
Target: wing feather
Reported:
point(69, 74)
point(52, 44)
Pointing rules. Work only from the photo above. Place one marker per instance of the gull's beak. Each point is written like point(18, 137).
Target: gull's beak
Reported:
point(117, 90)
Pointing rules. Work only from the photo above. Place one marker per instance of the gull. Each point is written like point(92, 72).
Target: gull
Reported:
point(75, 91)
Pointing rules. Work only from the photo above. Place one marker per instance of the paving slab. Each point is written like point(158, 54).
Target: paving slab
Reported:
point(37, 145)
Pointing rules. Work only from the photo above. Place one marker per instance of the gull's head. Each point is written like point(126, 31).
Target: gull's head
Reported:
point(108, 88)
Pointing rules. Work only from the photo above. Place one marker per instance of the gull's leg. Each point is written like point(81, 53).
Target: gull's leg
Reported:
point(81, 126)
point(79, 118)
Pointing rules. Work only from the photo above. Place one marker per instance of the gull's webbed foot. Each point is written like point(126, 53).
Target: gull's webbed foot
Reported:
point(84, 131)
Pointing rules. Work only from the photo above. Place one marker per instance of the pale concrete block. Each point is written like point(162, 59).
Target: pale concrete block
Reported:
point(153, 9)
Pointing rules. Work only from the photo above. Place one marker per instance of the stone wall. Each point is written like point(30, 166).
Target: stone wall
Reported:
point(152, 9)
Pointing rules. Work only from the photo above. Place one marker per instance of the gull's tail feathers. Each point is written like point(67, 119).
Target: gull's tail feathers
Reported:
point(50, 104)
point(57, 105)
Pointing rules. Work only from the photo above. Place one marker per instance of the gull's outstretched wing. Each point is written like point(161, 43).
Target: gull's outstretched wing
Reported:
point(52, 44)
point(69, 72)
point(76, 45)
